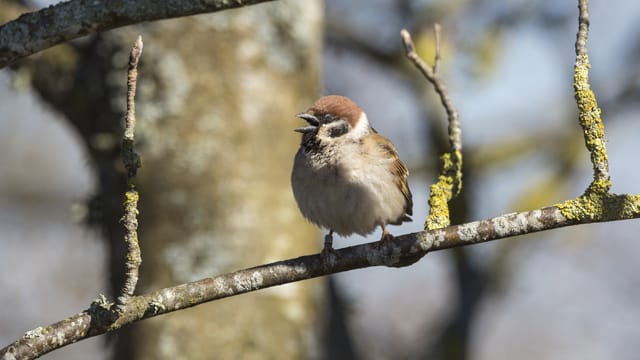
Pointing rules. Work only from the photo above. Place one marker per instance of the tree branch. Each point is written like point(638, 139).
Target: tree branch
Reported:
point(591, 202)
point(588, 110)
point(131, 162)
point(42, 29)
point(583, 27)
point(596, 205)
point(403, 251)
point(449, 181)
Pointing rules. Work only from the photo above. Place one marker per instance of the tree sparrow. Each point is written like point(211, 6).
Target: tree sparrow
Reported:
point(346, 177)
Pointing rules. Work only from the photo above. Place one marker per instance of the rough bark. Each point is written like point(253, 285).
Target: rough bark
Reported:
point(218, 159)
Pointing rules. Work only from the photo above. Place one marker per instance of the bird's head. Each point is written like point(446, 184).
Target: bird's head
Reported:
point(334, 116)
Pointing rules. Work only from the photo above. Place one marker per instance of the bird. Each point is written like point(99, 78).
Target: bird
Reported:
point(346, 177)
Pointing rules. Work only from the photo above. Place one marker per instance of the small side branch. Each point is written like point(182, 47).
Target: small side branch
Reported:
point(450, 179)
point(131, 162)
point(588, 110)
point(593, 202)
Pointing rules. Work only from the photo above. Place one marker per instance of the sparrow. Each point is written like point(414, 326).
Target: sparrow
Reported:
point(346, 177)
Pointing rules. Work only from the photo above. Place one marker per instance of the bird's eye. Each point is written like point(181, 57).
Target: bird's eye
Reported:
point(338, 128)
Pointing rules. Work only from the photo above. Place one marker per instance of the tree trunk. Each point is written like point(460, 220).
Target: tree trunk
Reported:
point(217, 95)
point(216, 166)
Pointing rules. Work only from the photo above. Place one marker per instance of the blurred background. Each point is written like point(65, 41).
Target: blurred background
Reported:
point(216, 102)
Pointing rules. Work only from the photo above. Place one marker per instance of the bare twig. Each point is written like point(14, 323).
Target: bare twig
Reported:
point(583, 27)
point(436, 61)
point(450, 179)
point(403, 251)
point(132, 79)
point(131, 162)
point(72, 19)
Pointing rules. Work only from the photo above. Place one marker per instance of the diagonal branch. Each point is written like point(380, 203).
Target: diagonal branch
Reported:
point(403, 251)
point(72, 19)
point(449, 181)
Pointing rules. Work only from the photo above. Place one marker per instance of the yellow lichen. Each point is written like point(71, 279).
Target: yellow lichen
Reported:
point(131, 197)
point(594, 206)
point(591, 123)
point(438, 202)
point(586, 207)
point(440, 193)
point(596, 203)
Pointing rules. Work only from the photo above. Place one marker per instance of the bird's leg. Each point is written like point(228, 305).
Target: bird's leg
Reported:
point(328, 244)
point(327, 250)
point(386, 235)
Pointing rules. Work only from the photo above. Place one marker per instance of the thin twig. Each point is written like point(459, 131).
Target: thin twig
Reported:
point(436, 62)
point(132, 79)
point(403, 251)
point(449, 181)
point(455, 135)
point(131, 162)
point(583, 27)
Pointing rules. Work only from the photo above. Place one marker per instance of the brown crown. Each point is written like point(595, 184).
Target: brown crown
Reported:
point(336, 105)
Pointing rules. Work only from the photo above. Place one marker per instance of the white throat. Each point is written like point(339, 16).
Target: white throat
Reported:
point(362, 127)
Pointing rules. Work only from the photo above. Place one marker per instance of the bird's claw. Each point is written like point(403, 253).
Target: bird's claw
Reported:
point(386, 236)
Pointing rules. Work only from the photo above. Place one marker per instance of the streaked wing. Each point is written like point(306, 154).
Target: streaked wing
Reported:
point(399, 170)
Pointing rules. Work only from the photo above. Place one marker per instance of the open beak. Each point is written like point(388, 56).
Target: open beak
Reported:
point(312, 120)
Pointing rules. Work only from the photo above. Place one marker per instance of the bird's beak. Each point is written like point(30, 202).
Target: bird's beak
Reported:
point(312, 120)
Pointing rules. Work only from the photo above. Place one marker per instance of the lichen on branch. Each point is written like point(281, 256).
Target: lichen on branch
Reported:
point(449, 181)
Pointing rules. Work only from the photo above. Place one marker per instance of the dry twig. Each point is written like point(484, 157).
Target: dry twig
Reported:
point(131, 162)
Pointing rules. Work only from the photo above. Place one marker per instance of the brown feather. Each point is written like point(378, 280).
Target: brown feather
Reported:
point(399, 170)
point(339, 106)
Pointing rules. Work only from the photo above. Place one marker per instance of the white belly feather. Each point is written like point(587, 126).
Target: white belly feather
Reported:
point(346, 194)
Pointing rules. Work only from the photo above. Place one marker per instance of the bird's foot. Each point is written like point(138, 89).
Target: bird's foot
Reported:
point(386, 236)
point(328, 250)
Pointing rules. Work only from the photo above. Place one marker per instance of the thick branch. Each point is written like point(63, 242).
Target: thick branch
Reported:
point(403, 251)
point(72, 19)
